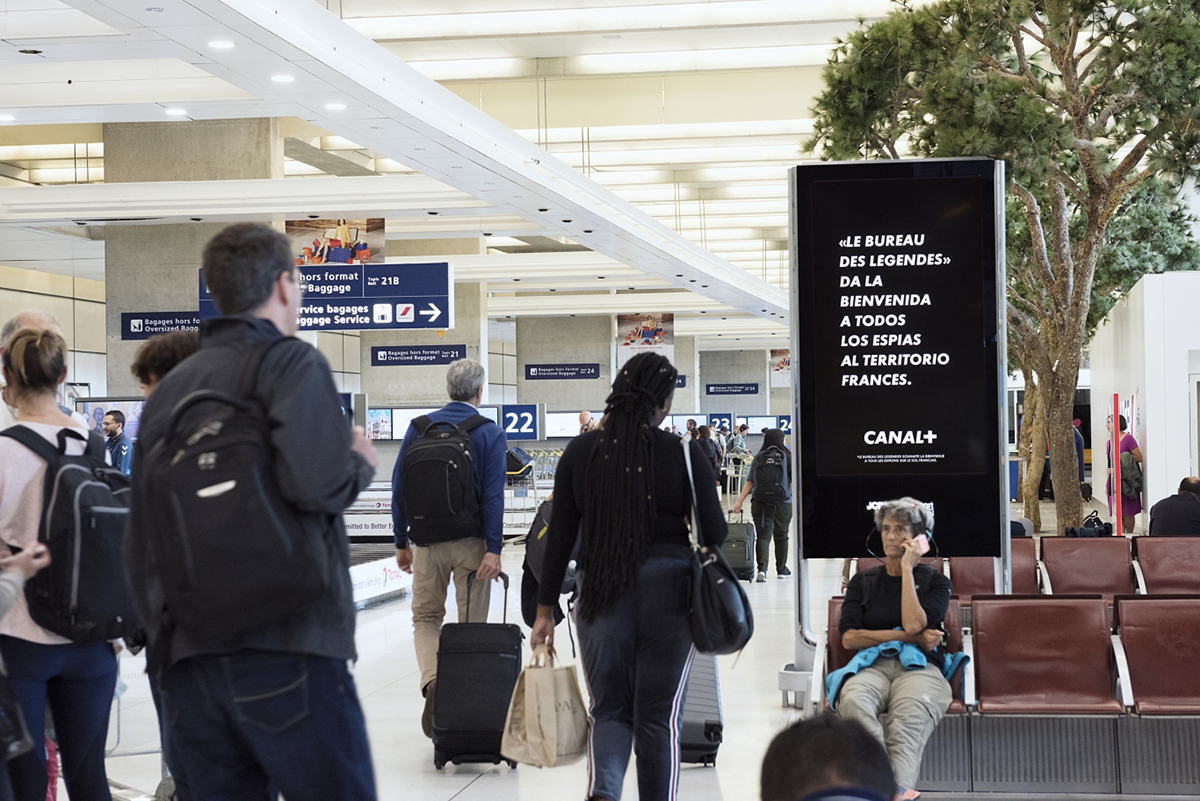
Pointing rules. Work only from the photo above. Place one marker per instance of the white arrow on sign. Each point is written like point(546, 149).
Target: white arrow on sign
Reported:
point(433, 312)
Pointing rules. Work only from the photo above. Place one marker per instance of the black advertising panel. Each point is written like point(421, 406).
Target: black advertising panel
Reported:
point(901, 350)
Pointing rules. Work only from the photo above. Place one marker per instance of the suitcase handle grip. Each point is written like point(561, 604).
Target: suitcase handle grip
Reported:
point(471, 580)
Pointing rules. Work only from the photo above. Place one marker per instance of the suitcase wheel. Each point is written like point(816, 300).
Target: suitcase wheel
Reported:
point(512, 763)
point(439, 759)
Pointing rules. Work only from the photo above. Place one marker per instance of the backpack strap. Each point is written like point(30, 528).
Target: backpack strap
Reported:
point(250, 368)
point(32, 440)
point(422, 424)
point(473, 422)
point(96, 446)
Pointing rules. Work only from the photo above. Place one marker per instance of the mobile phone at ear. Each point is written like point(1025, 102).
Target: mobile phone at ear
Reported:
point(922, 541)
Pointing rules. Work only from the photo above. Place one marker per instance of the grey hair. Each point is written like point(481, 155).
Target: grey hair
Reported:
point(40, 319)
point(910, 510)
point(463, 379)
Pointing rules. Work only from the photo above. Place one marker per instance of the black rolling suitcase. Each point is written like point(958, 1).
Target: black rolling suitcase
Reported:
point(478, 665)
point(739, 547)
point(703, 724)
point(518, 464)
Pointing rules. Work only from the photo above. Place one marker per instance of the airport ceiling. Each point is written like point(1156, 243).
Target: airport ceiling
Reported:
point(635, 149)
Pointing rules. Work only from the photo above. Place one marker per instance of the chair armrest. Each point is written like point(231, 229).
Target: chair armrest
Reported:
point(1141, 578)
point(968, 646)
point(1124, 682)
point(815, 703)
point(1045, 578)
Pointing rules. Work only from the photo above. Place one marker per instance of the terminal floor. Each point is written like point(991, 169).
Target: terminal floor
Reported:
point(387, 679)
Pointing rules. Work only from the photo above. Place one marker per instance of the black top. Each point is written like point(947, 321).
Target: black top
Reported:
point(1176, 516)
point(314, 467)
point(881, 611)
point(672, 495)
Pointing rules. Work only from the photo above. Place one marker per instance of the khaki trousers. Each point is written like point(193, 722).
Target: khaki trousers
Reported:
point(433, 567)
point(914, 700)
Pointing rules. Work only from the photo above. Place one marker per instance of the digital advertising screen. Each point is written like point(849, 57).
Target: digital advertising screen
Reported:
point(901, 360)
point(565, 424)
point(94, 410)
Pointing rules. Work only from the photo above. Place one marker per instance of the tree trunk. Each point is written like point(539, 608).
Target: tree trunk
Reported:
point(1034, 420)
point(1064, 469)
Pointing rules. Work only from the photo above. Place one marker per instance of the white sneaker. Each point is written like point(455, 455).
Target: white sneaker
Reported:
point(762, 577)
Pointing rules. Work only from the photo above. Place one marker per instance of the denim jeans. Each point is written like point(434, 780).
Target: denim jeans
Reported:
point(243, 722)
point(636, 657)
point(78, 680)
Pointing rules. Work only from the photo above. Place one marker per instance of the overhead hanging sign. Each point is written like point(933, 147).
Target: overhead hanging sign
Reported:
point(416, 355)
point(558, 372)
point(731, 389)
point(898, 302)
point(368, 297)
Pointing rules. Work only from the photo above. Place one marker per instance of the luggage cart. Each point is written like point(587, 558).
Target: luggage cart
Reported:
point(520, 502)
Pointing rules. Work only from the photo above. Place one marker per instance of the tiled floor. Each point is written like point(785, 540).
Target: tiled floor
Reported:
point(387, 679)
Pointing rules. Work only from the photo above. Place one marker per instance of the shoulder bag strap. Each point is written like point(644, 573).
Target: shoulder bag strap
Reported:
point(694, 529)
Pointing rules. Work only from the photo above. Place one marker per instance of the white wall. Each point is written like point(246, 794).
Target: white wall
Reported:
point(1142, 350)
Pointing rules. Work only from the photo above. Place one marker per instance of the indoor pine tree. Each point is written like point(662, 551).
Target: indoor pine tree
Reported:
point(1085, 102)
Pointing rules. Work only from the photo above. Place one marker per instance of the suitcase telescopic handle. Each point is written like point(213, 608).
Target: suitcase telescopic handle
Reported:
point(471, 580)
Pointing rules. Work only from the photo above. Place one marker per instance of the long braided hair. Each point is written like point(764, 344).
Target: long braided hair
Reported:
point(620, 505)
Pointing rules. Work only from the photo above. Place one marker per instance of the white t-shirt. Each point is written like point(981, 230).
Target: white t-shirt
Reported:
point(22, 478)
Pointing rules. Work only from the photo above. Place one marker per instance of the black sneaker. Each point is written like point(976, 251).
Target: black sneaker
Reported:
point(784, 573)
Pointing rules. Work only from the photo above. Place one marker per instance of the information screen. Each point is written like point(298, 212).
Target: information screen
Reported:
point(94, 410)
point(901, 349)
point(566, 424)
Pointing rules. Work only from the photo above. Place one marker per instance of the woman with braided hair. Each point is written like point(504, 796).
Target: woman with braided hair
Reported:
point(625, 489)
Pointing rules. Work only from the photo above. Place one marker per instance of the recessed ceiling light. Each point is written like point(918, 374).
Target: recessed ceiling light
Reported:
point(283, 78)
point(220, 44)
point(156, 9)
point(176, 112)
point(335, 106)
point(30, 52)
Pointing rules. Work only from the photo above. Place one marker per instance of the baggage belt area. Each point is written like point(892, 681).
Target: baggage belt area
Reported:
point(374, 574)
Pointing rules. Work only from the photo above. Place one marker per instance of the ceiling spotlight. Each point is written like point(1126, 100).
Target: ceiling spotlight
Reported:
point(335, 106)
point(220, 44)
point(283, 78)
point(30, 52)
point(176, 112)
point(155, 10)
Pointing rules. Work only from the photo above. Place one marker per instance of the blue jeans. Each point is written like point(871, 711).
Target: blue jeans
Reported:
point(78, 680)
point(255, 719)
point(636, 657)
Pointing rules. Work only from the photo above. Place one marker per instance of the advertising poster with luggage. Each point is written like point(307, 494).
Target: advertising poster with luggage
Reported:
point(336, 241)
point(781, 368)
point(645, 333)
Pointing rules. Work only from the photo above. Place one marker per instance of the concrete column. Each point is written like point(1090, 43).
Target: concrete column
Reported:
point(426, 386)
point(565, 340)
point(781, 400)
point(687, 362)
point(156, 267)
point(735, 367)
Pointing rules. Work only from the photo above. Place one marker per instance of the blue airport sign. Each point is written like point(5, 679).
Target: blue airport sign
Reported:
point(558, 372)
point(368, 297)
point(718, 419)
point(520, 421)
point(143, 325)
point(681, 381)
point(731, 389)
point(416, 355)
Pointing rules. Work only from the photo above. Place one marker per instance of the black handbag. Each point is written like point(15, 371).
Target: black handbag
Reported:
point(14, 737)
point(719, 610)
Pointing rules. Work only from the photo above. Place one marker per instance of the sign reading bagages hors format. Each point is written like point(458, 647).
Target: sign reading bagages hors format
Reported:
point(368, 297)
point(731, 389)
point(414, 355)
point(898, 307)
point(559, 372)
point(143, 325)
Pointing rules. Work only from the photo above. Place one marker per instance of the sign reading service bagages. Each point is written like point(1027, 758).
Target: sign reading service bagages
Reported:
point(368, 297)
point(414, 355)
point(557, 372)
point(901, 361)
point(143, 325)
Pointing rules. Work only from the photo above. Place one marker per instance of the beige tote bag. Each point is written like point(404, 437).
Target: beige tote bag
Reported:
point(547, 723)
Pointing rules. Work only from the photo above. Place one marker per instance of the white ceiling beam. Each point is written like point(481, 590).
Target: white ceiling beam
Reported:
point(557, 305)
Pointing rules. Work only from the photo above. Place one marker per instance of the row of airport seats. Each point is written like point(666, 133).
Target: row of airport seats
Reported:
point(1064, 696)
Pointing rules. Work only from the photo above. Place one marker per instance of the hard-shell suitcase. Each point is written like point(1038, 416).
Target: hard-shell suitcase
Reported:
point(477, 670)
point(518, 463)
point(703, 724)
point(739, 547)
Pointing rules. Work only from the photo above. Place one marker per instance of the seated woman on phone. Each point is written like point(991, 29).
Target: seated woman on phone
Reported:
point(892, 615)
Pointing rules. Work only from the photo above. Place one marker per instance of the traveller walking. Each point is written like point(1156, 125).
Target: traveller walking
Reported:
point(769, 486)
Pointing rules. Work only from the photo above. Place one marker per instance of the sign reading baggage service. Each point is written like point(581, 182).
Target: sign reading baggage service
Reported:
point(416, 355)
point(368, 297)
point(898, 308)
point(143, 325)
point(558, 372)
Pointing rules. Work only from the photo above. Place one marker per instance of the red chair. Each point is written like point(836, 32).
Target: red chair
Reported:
point(1102, 565)
point(1024, 566)
point(1169, 565)
point(972, 575)
point(1044, 656)
point(1161, 638)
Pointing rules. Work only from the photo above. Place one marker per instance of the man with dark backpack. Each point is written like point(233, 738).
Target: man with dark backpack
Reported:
point(237, 554)
point(448, 501)
point(770, 488)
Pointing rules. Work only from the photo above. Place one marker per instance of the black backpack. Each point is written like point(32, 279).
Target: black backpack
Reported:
point(770, 476)
point(81, 594)
point(438, 482)
point(233, 554)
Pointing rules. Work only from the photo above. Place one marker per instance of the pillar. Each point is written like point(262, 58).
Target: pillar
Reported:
point(583, 339)
point(735, 367)
point(156, 267)
point(687, 362)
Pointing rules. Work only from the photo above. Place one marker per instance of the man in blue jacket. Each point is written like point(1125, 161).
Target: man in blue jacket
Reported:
point(119, 448)
point(440, 556)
